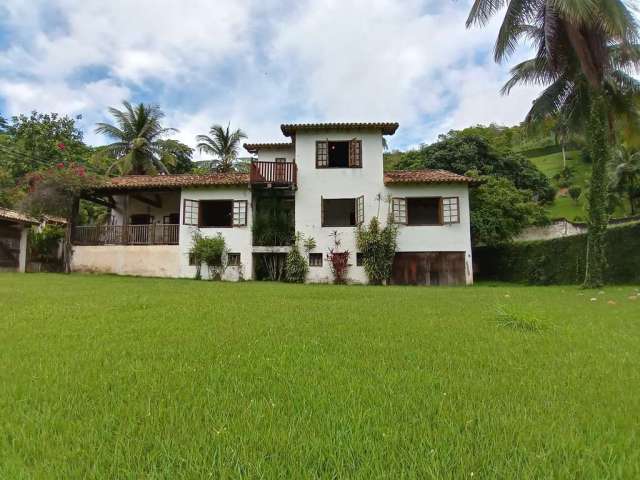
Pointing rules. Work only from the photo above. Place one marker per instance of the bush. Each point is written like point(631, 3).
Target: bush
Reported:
point(561, 260)
point(378, 247)
point(338, 261)
point(575, 192)
point(296, 266)
point(211, 251)
point(44, 244)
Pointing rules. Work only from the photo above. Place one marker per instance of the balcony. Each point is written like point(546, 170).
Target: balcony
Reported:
point(274, 174)
point(152, 234)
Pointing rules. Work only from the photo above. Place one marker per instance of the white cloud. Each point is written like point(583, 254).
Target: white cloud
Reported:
point(258, 63)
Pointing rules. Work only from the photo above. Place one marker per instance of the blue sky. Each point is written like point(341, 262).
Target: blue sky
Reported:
point(257, 63)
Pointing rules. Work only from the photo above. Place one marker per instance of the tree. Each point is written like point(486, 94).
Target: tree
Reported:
point(223, 144)
point(462, 152)
point(583, 49)
point(38, 141)
point(499, 211)
point(626, 176)
point(181, 152)
point(138, 132)
point(378, 248)
point(562, 132)
point(574, 193)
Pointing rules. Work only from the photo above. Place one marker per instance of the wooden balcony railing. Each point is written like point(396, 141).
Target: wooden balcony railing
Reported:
point(275, 173)
point(152, 234)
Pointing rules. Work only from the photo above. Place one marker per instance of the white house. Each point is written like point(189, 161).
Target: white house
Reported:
point(326, 180)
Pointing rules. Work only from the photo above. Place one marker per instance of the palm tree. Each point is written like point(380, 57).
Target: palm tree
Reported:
point(138, 134)
point(223, 145)
point(583, 48)
point(562, 132)
point(626, 176)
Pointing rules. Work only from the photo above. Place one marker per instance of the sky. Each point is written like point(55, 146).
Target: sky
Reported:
point(257, 64)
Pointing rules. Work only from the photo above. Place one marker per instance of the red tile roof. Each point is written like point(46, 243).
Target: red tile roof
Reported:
point(388, 128)
point(141, 182)
point(425, 176)
point(13, 216)
point(254, 147)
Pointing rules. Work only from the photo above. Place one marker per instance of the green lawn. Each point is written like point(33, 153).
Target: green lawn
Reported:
point(108, 377)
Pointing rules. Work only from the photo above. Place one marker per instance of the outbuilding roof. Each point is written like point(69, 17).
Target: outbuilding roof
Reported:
point(18, 217)
point(388, 128)
point(425, 176)
point(254, 147)
point(141, 182)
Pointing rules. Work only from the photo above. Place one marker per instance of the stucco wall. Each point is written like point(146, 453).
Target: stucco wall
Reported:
point(315, 184)
point(269, 155)
point(144, 260)
point(238, 239)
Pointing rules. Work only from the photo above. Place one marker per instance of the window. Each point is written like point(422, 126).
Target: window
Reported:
point(339, 154)
point(342, 212)
point(359, 259)
point(190, 212)
point(423, 211)
point(315, 259)
point(426, 210)
point(140, 219)
point(450, 210)
point(171, 219)
point(233, 259)
point(399, 210)
point(215, 213)
point(192, 259)
point(240, 213)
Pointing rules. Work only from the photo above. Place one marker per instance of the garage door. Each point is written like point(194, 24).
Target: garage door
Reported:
point(428, 268)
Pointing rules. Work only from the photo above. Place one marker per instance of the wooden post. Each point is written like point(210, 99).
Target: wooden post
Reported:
point(67, 249)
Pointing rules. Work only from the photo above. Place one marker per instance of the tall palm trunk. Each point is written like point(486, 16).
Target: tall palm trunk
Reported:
point(598, 216)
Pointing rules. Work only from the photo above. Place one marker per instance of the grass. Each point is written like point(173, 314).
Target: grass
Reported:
point(112, 377)
point(564, 206)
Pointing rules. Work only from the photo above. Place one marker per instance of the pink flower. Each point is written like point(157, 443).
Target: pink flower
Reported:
point(60, 165)
point(61, 146)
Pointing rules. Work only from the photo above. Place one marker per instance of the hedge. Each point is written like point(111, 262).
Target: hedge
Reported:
point(561, 260)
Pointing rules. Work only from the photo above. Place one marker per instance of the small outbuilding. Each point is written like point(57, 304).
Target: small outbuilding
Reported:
point(14, 230)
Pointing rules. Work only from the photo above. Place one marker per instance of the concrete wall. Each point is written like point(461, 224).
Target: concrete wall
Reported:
point(315, 184)
point(144, 260)
point(238, 239)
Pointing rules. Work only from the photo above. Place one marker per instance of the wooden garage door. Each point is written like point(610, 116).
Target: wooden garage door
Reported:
point(428, 268)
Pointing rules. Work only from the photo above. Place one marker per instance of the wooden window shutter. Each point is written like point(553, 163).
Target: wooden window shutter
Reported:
point(360, 210)
point(399, 210)
point(450, 210)
point(322, 154)
point(190, 212)
point(355, 153)
point(322, 211)
point(239, 213)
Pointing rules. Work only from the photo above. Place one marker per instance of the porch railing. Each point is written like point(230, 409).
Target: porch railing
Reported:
point(279, 173)
point(152, 234)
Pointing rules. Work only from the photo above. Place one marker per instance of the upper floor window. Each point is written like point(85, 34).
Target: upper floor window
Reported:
point(339, 154)
point(426, 210)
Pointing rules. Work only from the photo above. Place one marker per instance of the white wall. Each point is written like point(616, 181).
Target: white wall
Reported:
point(313, 184)
point(24, 245)
point(270, 155)
point(143, 260)
point(437, 238)
point(237, 239)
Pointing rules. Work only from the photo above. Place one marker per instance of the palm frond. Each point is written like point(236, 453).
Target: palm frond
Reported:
point(482, 11)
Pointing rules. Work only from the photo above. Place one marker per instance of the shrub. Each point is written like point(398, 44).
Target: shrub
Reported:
point(44, 244)
point(575, 192)
point(378, 247)
point(561, 260)
point(211, 251)
point(338, 261)
point(297, 266)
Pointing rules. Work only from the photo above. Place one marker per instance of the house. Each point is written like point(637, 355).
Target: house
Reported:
point(14, 230)
point(324, 181)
